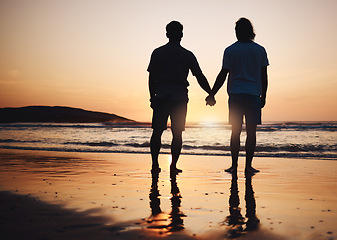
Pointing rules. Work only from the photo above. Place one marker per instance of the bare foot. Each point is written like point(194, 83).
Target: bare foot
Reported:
point(175, 170)
point(251, 170)
point(231, 169)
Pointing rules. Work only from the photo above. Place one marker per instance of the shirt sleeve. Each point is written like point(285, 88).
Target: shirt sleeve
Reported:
point(265, 61)
point(152, 64)
point(226, 60)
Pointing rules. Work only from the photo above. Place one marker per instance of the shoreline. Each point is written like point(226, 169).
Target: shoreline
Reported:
point(113, 195)
point(163, 152)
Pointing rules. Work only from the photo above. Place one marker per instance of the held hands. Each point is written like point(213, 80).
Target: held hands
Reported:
point(210, 100)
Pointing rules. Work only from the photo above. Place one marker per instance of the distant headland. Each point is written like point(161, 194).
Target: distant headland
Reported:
point(58, 114)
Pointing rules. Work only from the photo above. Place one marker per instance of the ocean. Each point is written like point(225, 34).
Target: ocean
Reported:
point(314, 140)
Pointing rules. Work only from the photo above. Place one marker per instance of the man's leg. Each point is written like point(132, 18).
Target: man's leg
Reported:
point(176, 146)
point(178, 120)
point(250, 147)
point(235, 146)
point(155, 144)
point(159, 125)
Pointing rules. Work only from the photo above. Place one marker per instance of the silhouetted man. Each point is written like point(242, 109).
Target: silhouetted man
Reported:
point(168, 70)
point(246, 62)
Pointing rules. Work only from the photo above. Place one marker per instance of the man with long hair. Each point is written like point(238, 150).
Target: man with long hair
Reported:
point(246, 63)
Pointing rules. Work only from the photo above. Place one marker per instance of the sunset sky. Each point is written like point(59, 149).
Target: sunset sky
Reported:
point(93, 54)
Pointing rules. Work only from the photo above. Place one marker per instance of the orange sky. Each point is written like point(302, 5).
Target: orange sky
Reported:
point(94, 54)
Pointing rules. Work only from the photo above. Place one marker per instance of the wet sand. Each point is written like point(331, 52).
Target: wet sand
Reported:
point(52, 195)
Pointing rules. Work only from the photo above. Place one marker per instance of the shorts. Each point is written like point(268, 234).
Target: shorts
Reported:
point(244, 105)
point(164, 108)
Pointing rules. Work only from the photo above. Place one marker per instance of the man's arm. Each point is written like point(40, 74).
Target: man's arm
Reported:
point(203, 82)
point(196, 71)
point(220, 80)
point(264, 83)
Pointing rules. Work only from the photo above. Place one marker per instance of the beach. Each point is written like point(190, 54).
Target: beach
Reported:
point(62, 195)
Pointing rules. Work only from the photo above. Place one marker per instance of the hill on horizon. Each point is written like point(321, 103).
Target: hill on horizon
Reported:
point(57, 114)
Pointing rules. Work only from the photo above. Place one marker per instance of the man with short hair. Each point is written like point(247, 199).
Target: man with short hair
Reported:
point(168, 70)
point(246, 62)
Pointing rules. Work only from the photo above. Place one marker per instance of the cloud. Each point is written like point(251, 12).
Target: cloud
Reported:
point(13, 73)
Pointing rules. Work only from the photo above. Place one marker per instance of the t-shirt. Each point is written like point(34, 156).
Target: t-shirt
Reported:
point(170, 64)
point(244, 61)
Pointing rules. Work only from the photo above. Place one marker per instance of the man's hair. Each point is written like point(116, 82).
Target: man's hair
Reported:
point(244, 30)
point(174, 30)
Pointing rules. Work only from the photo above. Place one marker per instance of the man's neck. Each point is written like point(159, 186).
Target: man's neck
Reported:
point(174, 42)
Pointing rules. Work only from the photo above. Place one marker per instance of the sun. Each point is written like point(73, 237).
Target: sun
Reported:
point(211, 122)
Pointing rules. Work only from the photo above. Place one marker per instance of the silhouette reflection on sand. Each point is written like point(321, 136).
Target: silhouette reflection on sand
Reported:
point(236, 222)
point(158, 219)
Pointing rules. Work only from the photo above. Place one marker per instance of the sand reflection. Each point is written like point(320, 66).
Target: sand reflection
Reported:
point(159, 220)
point(115, 195)
point(236, 222)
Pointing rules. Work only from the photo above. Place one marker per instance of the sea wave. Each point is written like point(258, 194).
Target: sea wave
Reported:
point(218, 147)
point(319, 151)
point(267, 127)
point(300, 126)
point(287, 139)
point(16, 141)
point(300, 155)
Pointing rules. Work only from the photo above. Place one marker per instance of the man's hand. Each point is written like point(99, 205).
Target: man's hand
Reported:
point(154, 103)
point(263, 101)
point(210, 100)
